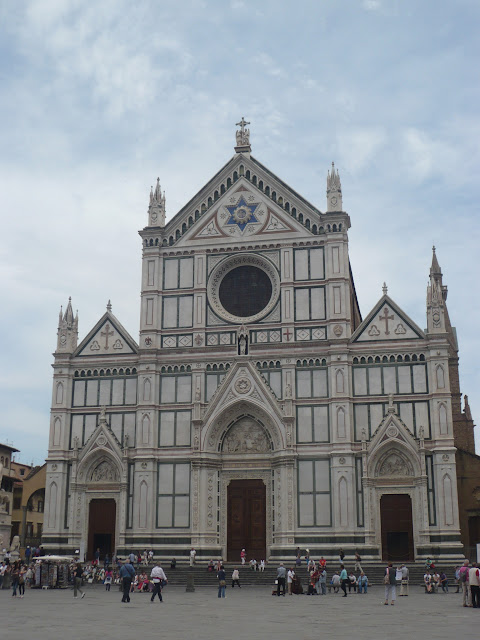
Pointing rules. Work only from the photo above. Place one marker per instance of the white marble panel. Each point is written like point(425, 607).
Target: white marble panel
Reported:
point(186, 273)
point(171, 273)
point(404, 380)
point(92, 393)
point(185, 312)
point(167, 426)
point(117, 391)
point(419, 378)
point(79, 393)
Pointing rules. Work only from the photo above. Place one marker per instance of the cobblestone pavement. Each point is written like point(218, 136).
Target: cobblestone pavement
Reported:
point(250, 612)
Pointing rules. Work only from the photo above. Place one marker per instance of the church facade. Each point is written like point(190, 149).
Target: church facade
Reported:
point(258, 409)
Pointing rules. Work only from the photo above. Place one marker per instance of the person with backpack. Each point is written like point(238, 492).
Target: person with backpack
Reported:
point(463, 579)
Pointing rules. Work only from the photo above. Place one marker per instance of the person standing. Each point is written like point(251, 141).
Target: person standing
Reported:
point(243, 556)
point(108, 579)
point(77, 581)
point(474, 582)
point(390, 584)
point(358, 560)
point(14, 577)
point(463, 576)
point(344, 580)
point(21, 581)
point(281, 573)
point(193, 553)
point(341, 555)
point(444, 582)
point(127, 573)
point(322, 581)
point(236, 578)
point(159, 579)
point(404, 581)
point(222, 582)
point(290, 577)
point(28, 553)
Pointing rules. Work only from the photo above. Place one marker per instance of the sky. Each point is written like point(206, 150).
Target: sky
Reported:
point(99, 98)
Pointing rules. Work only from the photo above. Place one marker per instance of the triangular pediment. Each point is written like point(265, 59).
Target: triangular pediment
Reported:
point(242, 383)
point(102, 445)
point(393, 450)
point(385, 322)
point(243, 214)
point(107, 338)
point(281, 207)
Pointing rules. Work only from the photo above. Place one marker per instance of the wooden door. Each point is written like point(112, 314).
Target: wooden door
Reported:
point(101, 527)
point(246, 519)
point(397, 527)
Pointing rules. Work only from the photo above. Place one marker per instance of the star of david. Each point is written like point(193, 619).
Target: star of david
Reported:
point(242, 214)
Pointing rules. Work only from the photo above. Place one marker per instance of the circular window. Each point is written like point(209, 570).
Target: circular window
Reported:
point(243, 288)
point(245, 291)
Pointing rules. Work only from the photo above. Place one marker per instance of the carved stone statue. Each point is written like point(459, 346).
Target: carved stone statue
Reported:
point(15, 546)
point(242, 345)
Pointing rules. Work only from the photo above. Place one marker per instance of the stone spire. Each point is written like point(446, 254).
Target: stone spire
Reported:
point(437, 315)
point(156, 207)
point(334, 190)
point(67, 333)
point(243, 137)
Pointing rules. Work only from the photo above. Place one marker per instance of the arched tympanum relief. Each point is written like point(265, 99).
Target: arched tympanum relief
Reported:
point(217, 430)
point(246, 436)
point(104, 472)
point(394, 464)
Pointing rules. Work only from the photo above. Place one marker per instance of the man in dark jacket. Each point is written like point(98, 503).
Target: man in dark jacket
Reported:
point(127, 573)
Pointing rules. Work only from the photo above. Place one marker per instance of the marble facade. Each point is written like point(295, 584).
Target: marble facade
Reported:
point(253, 363)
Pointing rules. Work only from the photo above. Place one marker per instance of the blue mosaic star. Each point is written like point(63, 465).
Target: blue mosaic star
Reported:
point(242, 214)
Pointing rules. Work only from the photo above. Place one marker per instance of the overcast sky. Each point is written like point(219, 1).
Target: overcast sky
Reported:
point(99, 98)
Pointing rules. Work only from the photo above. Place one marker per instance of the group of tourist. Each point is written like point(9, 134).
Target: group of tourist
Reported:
point(468, 578)
point(21, 575)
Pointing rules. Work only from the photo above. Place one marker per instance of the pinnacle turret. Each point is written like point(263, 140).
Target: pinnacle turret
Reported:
point(67, 333)
point(334, 190)
point(435, 268)
point(156, 207)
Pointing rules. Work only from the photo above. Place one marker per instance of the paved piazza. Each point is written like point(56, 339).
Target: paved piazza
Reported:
point(247, 613)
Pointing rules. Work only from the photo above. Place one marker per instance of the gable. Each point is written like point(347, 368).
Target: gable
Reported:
point(107, 338)
point(243, 213)
point(387, 322)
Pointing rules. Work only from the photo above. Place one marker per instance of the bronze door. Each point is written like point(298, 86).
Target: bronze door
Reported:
point(246, 519)
point(397, 527)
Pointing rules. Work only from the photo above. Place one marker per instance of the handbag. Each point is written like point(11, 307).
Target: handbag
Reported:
point(222, 583)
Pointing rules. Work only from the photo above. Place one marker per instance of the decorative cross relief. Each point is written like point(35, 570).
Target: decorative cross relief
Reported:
point(386, 318)
point(106, 334)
